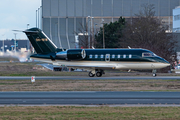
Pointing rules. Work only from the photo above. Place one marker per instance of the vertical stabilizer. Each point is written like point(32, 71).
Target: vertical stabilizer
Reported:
point(39, 40)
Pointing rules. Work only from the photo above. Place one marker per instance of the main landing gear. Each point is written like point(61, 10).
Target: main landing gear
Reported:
point(96, 72)
point(91, 74)
point(154, 73)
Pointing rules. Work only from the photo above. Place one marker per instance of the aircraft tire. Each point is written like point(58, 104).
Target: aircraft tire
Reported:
point(98, 74)
point(154, 75)
point(91, 74)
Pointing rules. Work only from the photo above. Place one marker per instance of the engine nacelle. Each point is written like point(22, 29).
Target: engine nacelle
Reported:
point(76, 54)
point(73, 54)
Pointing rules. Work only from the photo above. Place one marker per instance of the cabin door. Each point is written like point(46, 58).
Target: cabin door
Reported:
point(107, 57)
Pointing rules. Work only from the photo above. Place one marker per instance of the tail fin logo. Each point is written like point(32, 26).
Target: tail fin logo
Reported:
point(43, 39)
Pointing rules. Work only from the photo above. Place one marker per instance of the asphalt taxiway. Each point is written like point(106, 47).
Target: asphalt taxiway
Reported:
point(90, 78)
point(89, 98)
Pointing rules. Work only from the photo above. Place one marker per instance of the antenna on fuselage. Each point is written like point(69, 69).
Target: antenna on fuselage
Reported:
point(129, 47)
point(93, 47)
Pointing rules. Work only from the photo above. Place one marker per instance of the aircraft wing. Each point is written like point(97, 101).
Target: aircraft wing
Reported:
point(92, 67)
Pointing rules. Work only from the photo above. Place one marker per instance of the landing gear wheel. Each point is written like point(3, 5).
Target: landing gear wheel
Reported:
point(98, 74)
point(154, 74)
point(91, 74)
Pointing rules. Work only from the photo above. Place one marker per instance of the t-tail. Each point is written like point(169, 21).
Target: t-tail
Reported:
point(41, 43)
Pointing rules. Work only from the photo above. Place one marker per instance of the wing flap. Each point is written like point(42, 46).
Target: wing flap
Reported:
point(96, 67)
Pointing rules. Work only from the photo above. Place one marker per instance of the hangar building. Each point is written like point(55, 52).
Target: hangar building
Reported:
point(62, 19)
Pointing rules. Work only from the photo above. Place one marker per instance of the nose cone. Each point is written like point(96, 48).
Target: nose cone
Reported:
point(166, 64)
point(162, 62)
point(162, 65)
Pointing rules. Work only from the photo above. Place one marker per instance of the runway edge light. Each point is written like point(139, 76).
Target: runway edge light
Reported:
point(32, 79)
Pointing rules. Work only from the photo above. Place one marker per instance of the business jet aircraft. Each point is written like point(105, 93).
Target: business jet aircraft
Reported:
point(94, 60)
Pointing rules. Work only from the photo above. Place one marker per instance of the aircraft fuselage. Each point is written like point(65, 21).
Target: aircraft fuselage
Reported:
point(106, 58)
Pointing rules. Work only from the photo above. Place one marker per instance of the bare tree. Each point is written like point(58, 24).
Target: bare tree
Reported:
point(147, 31)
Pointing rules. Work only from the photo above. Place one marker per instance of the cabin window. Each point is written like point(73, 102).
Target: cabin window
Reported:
point(130, 56)
point(102, 56)
point(148, 55)
point(90, 56)
point(119, 56)
point(113, 56)
point(96, 56)
point(124, 56)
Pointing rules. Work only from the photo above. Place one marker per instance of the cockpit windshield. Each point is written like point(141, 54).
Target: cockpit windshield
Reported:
point(147, 54)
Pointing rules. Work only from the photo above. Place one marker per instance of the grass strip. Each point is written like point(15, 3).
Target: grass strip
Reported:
point(90, 85)
point(90, 113)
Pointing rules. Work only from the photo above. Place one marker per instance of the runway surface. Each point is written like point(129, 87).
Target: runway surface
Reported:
point(89, 78)
point(89, 98)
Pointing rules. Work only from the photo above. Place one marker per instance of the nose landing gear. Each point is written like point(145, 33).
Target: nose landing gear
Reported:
point(154, 73)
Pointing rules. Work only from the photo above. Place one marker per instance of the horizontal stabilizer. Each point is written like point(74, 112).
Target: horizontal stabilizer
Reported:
point(17, 30)
point(30, 31)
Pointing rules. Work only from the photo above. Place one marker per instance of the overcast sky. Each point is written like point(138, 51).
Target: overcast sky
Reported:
point(15, 15)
